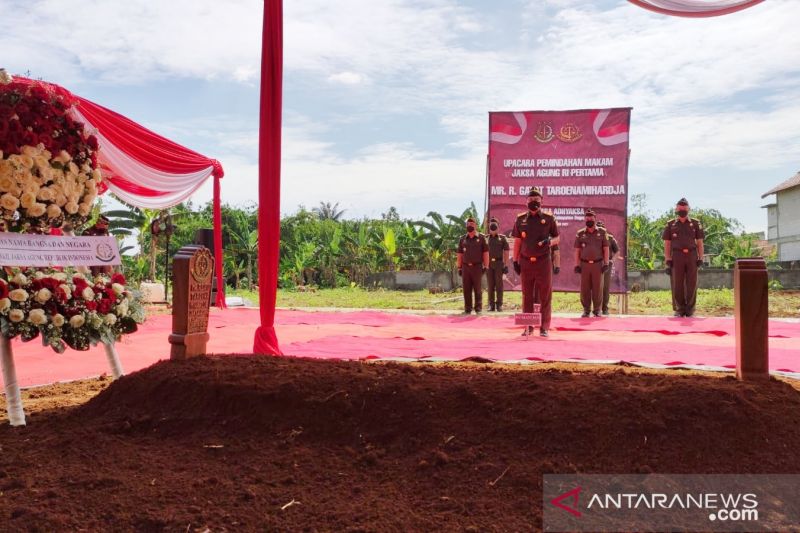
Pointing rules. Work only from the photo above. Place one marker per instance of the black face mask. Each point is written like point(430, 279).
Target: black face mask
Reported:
point(533, 205)
point(470, 229)
point(590, 223)
point(493, 227)
point(682, 212)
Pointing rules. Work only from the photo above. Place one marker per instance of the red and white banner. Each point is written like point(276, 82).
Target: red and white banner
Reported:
point(695, 8)
point(579, 159)
point(26, 250)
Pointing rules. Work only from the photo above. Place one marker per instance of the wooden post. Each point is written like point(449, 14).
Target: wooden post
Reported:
point(751, 309)
point(16, 415)
point(192, 271)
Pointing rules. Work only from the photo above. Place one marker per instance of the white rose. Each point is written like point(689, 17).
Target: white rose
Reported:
point(63, 157)
point(16, 315)
point(20, 279)
point(84, 209)
point(71, 207)
point(64, 287)
point(45, 194)
point(95, 320)
point(110, 319)
point(60, 276)
point(79, 275)
point(6, 182)
point(38, 274)
point(37, 317)
point(26, 160)
point(58, 320)
point(5, 304)
point(27, 199)
point(43, 295)
point(117, 288)
point(97, 175)
point(73, 168)
point(53, 211)
point(18, 295)
point(88, 293)
point(37, 210)
point(9, 201)
point(77, 321)
point(122, 308)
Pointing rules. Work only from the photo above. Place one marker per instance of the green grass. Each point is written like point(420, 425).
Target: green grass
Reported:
point(710, 302)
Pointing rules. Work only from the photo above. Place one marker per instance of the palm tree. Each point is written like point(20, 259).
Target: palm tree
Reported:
point(124, 222)
point(328, 211)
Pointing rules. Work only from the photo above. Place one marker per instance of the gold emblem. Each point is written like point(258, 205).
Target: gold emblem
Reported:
point(203, 266)
point(544, 132)
point(524, 234)
point(569, 133)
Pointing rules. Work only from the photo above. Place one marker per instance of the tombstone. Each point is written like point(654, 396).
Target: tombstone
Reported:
point(192, 272)
point(751, 309)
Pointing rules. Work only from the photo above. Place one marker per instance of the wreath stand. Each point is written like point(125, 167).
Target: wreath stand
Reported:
point(16, 415)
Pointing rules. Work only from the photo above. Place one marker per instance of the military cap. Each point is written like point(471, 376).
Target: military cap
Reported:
point(589, 213)
point(494, 219)
point(683, 201)
point(535, 191)
point(470, 219)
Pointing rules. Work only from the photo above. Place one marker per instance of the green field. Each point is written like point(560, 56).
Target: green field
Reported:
point(710, 302)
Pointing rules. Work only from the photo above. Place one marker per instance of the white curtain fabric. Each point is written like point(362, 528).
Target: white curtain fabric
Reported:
point(698, 7)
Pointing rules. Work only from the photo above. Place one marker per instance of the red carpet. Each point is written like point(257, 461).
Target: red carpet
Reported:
point(708, 342)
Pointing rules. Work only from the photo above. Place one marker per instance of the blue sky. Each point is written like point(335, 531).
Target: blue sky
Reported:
point(386, 101)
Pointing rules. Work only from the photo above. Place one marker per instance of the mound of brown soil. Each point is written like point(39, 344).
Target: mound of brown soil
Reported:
point(253, 443)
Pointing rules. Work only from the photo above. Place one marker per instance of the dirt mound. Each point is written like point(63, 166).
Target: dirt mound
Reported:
point(254, 443)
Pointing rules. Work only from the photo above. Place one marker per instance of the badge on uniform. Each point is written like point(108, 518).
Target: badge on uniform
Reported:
point(583, 245)
point(524, 234)
point(674, 235)
point(543, 221)
point(465, 248)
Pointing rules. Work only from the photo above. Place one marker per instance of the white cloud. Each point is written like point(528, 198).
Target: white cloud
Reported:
point(347, 78)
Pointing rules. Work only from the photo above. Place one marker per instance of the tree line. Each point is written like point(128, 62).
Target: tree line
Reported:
point(321, 247)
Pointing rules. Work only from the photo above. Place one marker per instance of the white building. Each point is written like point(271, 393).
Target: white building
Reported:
point(783, 219)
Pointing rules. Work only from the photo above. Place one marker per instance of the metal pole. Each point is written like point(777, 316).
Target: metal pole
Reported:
point(166, 272)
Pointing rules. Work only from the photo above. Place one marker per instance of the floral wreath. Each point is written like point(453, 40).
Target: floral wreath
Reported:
point(48, 160)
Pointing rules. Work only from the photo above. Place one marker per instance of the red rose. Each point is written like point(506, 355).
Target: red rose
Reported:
point(104, 306)
point(92, 142)
point(91, 305)
point(118, 277)
point(3, 289)
point(79, 283)
point(61, 295)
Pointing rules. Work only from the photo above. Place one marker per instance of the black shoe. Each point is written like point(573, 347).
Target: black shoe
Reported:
point(527, 331)
point(605, 312)
point(596, 314)
point(491, 307)
point(543, 332)
point(689, 314)
point(585, 314)
point(466, 312)
point(478, 311)
point(499, 308)
point(677, 314)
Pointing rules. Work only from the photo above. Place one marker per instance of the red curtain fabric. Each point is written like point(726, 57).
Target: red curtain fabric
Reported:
point(695, 8)
point(269, 175)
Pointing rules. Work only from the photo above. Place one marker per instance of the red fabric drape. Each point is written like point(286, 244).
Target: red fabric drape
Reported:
point(682, 8)
point(269, 175)
point(218, 245)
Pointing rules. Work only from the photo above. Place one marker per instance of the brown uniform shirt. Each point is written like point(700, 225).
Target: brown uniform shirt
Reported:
point(497, 244)
point(531, 230)
point(591, 244)
point(473, 248)
point(682, 235)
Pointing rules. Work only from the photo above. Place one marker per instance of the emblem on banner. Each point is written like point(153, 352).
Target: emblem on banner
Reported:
point(544, 132)
point(569, 133)
point(104, 252)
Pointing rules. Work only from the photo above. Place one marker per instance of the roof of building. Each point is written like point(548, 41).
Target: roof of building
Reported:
point(794, 181)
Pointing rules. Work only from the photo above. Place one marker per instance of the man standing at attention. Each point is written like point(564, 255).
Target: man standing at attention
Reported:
point(591, 262)
point(683, 253)
point(472, 261)
point(534, 233)
point(498, 257)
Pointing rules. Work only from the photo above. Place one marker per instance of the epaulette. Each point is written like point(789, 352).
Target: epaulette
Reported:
point(522, 214)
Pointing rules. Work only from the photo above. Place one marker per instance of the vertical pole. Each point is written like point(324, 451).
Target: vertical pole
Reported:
point(113, 360)
point(751, 309)
point(166, 271)
point(16, 415)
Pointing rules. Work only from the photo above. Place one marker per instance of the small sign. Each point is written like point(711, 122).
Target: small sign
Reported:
point(529, 319)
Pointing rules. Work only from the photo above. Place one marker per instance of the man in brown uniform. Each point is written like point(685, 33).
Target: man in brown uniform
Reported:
point(591, 262)
point(683, 253)
point(613, 249)
point(498, 257)
point(472, 261)
point(534, 233)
